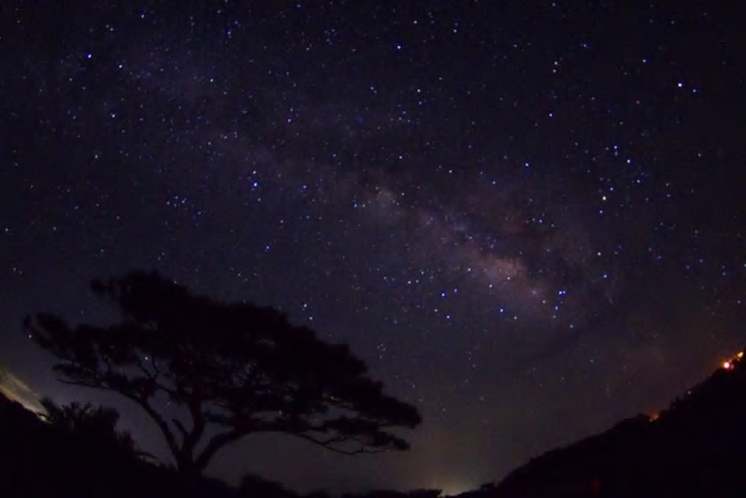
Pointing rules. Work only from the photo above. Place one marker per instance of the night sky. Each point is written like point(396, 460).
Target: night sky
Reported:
point(527, 217)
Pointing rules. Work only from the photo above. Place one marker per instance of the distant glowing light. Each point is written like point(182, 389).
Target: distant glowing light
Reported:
point(454, 488)
point(727, 365)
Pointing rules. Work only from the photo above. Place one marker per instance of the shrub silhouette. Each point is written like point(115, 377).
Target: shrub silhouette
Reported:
point(93, 426)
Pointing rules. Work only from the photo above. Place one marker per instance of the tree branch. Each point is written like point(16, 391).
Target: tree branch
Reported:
point(153, 377)
point(150, 375)
point(162, 425)
point(328, 444)
point(199, 424)
point(215, 444)
point(182, 430)
point(143, 403)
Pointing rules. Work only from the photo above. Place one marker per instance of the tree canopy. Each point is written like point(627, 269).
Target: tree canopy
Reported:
point(209, 372)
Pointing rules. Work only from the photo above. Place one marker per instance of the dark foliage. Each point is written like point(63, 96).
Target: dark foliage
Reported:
point(233, 367)
point(56, 460)
point(59, 459)
point(91, 426)
point(43, 459)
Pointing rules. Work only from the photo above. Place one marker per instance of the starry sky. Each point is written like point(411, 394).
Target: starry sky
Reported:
point(527, 217)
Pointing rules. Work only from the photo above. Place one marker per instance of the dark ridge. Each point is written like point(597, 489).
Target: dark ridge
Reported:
point(696, 447)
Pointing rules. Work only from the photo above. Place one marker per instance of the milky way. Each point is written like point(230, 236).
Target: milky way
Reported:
point(504, 233)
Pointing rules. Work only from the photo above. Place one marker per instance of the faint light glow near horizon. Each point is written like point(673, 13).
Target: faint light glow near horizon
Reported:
point(17, 390)
point(456, 486)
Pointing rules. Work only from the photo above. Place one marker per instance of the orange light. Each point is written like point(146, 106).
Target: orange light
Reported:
point(727, 365)
point(739, 355)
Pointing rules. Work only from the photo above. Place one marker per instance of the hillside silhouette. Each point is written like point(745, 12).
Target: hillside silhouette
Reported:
point(695, 447)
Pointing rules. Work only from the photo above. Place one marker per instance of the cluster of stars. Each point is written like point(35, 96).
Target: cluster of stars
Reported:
point(476, 197)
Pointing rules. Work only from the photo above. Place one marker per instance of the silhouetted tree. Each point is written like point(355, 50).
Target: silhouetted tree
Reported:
point(91, 425)
point(236, 367)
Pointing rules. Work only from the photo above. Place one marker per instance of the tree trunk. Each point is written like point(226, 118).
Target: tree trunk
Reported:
point(188, 469)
